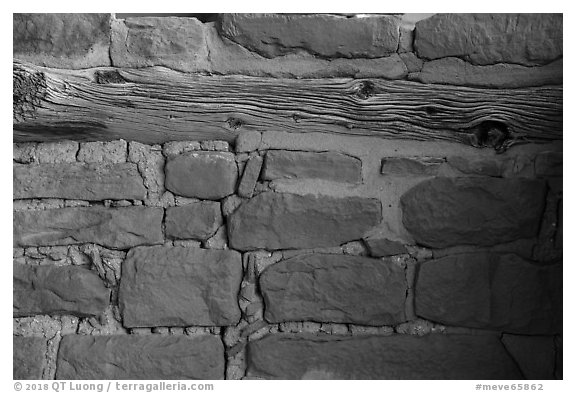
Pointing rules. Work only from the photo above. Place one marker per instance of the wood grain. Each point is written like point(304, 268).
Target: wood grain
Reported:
point(154, 105)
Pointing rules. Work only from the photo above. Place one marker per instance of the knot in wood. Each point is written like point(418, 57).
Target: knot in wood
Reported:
point(365, 90)
point(491, 133)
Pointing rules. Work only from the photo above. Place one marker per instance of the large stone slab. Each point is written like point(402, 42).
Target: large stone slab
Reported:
point(281, 221)
point(140, 357)
point(435, 356)
point(57, 290)
point(491, 291)
point(272, 35)
point(535, 355)
point(177, 286)
point(110, 227)
point(174, 42)
point(338, 167)
point(62, 40)
point(334, 288)
point(28, 355)
point(444, 212)
point(78, 181)
point(454, 71)
point(197, 221)
point(204, 175)
point(527, 39)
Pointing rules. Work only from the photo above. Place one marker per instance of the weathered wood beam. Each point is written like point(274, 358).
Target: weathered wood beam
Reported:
point(154, 105)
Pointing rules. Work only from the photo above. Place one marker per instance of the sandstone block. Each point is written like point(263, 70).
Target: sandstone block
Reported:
point(173, 42)
point(490, 291)
point(250, 177)
point(204, 175)
point(198, 220)
point(280, 164)
point(535, 355)
point(28, 355)
point(401, 166)
point(177, 286)
point(140, 357)
point(526, 39)
point(435, 356)
point(92, 182)
point(272, 35)
point(334, 288)
point(62, 40)
point(248, 141)
point(110, 227)
point(57, 290)
point(477, 166)
point(549, 164)
point(454, 71)
point(382, 247)
point(282, 221)
point(444, 212)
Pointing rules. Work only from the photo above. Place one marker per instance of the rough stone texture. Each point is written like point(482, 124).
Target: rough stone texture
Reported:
point(272, 35)
point(110, 227)
point(28, 357)
point(454, 71)
point(55, 152)
point(334, 288)
point(248, 141)
point(535, 355)
point(250, 177)
point(150, 163)
point(112, 151)
point(493, 291)
point(172, 42)
point(436, 356)
point(62, 40)
point(198, 220)
point(174, 148)
point(444, 212)
point(177, 286)
point(482, 39)
point(331, 166)
point(402, 166)
point(204, 175)
point(275, 221)
point(140, 357)
point(548, 164)
point(57, 290)
point(477, 166)
point(91, 182)
point(412, 62)
point(381, 247)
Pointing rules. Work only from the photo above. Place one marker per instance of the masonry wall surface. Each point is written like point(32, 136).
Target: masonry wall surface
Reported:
point(288, 254)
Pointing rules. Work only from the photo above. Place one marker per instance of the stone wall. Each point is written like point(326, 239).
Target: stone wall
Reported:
point(286, 255)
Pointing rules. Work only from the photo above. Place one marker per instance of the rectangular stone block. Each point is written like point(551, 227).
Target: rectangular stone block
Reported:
point(491, 291)
point(402, 166)
point(204, 175)
point(78, 181)
point(435, 356)
point(197, 221)
point(62, 40)
point(445, 212)
point(334, 288)
point(54, 290)
point(110, 227)
point(140, 357)
point(337, 167)
point(272, 35)
point(28, 354)
point(177, 286)
point(275, 221)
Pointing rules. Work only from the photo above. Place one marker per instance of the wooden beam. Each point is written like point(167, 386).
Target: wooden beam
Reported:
point(154, 105)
